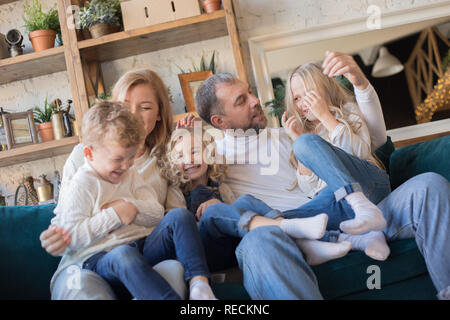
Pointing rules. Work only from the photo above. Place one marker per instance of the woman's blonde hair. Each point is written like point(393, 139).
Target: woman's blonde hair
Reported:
point(156, 140)
point(169, 169)
point(335, 95)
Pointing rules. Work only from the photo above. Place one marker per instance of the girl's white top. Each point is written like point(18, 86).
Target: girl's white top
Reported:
point(360, 143)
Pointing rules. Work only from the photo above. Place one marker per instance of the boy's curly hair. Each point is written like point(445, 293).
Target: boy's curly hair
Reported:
point(109, 119)
point(168, 165)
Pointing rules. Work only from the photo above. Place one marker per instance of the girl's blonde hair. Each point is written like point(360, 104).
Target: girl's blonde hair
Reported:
point(156, 140)
point(335, 95)
point(169, 169)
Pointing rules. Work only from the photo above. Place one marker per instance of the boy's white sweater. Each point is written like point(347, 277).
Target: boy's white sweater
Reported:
point(93, 229)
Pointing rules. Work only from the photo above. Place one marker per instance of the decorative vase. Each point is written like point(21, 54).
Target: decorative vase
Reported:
point(99, 30)
point(45, 131)
point(58, 125)
point(211, 5)
point(42, 39)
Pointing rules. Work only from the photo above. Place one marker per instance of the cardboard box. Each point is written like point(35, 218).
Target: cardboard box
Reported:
point(4, 52)
point(142, 13)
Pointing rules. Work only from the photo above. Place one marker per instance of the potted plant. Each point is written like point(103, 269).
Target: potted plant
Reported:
point(43, 118)
point(211, 5)
point(101, 17)
point(42, 27)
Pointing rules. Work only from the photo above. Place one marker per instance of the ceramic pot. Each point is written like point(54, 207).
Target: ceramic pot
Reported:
point(211, 5)
point(45, 131)
point(42, 39)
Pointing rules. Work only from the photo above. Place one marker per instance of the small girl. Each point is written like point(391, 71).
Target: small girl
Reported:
point(325, 113)
point(216, 207)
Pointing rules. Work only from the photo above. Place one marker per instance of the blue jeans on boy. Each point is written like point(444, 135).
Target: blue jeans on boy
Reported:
point(175, 237)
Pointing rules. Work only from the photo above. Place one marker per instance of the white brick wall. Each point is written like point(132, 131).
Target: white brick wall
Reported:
point(254, 17)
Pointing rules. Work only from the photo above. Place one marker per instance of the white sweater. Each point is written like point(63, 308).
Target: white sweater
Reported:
point(360, 146)
point(93, 229)
point(247, 177)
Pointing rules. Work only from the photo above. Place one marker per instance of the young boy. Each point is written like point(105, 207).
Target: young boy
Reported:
point(116, 224)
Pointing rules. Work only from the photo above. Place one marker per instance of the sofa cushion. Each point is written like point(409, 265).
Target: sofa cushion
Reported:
point(25, 267)
point(347, 277)
point(384, 153)
point(427, 156)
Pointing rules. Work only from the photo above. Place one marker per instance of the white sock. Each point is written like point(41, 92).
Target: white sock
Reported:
point(318, 252)
point(305, 228)
point(367, 215)
point(372, 243)
point(200, 290)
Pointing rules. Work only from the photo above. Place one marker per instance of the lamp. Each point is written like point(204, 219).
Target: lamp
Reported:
point(386, 64)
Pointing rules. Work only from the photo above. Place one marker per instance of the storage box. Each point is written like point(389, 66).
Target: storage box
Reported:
point(4, 53)
point(142, 13)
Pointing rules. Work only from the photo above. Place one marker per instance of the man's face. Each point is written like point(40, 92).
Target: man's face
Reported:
point(241, 109)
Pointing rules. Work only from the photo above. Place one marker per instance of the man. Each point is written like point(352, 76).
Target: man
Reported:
point(272, 264)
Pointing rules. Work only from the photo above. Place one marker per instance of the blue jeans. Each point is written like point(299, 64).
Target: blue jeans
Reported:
point(343, 174)
point(131, 266)
point(274, 267)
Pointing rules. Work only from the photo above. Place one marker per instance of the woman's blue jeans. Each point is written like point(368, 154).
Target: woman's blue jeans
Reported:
point(131, 265)
point(342, 172)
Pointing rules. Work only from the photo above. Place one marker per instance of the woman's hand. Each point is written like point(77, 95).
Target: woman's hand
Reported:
point(291, 126)
point(204, 206)
point(54, 240)
point(125, 210)
point(337, 63)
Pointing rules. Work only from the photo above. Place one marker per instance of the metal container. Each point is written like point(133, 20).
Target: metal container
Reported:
point(58, 125)
point(45, 190)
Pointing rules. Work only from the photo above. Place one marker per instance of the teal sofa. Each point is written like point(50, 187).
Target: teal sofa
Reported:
point(26, 269)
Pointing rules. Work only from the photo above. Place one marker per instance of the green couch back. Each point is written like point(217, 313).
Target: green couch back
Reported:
point(25, 267)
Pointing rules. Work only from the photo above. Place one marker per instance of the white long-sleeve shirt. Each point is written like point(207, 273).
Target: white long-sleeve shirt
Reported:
point(270, 177)
point(93, 229)
point(360, 144)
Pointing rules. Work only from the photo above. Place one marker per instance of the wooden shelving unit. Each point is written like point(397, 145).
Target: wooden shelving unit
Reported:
point(82, 61)
point(37, 151)
point(32, 65)
point(157, 37)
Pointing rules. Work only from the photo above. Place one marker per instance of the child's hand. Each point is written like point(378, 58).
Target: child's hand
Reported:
point(304, 171)
point(187, 121)
point(291, 126)
point(204, 206)
point(125, 210)
point(54, 240)
point(316, 104)
point(336, 64)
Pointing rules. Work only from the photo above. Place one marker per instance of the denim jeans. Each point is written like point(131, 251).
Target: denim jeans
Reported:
point(274, 268)
point(74, 283)
point(343, 173)
point(175, 237)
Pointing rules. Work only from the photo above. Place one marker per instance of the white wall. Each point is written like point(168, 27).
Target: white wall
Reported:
point(254, 17)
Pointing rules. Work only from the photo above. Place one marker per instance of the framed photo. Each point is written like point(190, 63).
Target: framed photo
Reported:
point(20, 129)
point(190, 82)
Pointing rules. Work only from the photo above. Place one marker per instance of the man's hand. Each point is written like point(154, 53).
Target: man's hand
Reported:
point(54, 240)
point(125, 210)
point(291, 126)
point(337, 63)
point(204, 206)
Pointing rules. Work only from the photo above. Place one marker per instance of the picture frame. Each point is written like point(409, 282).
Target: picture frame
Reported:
point(20, 129)
point(190, 82)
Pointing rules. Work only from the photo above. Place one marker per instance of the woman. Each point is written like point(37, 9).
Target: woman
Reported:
point(148, 98)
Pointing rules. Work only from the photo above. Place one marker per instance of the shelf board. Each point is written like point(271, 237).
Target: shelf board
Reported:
point(6, 1)
point(37, 151)
point(157, 37)
point(32, 65)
